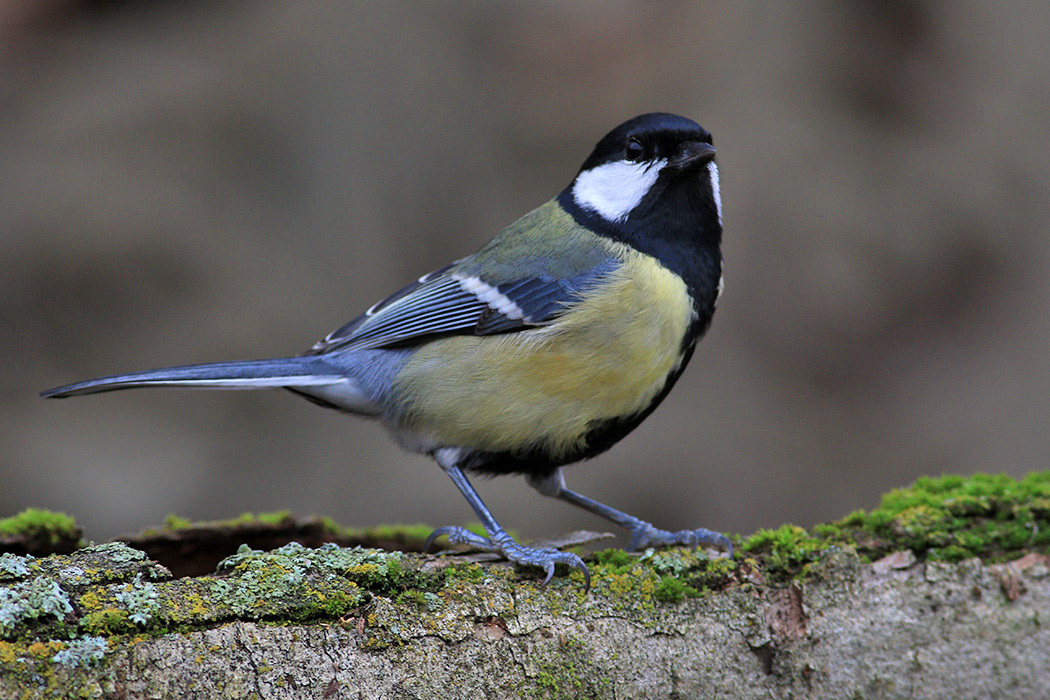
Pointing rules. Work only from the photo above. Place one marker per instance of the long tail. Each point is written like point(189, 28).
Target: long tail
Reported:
point(244, 374)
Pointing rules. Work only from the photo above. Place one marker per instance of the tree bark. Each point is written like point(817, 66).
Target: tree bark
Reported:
point(353, 623)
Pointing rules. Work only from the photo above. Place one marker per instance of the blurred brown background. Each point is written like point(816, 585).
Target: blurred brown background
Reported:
point(194, 181)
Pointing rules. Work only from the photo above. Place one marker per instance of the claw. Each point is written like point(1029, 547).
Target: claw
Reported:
point(461, 535)
point(502, 544)
point(549, 576)
point(586, 577)
point(434, 535)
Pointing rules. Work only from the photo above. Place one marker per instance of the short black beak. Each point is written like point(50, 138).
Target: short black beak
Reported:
point(693, 153)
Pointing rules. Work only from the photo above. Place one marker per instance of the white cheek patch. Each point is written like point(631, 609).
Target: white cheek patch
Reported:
point(613, 190)
point(487, 294)
point(716, 189)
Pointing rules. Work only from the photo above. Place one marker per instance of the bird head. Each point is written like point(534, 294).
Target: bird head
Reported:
point(654, 162)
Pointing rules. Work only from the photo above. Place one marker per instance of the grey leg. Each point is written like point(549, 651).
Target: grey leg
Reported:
point(498, 540)
point(643, 534)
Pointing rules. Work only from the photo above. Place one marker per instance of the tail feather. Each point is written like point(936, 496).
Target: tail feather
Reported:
point(243, 374)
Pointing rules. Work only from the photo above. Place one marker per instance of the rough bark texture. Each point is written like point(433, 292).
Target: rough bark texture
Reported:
point(339, 623)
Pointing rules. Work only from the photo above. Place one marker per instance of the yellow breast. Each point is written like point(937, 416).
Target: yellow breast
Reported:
point(608, 357)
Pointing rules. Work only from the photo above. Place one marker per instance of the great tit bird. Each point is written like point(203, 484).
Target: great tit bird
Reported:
point(544, 348)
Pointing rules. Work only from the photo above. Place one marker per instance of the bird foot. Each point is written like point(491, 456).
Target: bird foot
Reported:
point(644, 535)
point(504, 545)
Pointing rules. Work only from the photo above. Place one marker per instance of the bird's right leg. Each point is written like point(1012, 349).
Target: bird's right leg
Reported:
point(498, 540)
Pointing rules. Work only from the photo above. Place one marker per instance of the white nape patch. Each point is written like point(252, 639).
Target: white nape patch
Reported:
point(721, 286)
point(716, 189)
point(487, 294)
point(613, 190)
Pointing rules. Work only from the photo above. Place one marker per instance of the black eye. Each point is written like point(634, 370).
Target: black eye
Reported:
point(634, 151)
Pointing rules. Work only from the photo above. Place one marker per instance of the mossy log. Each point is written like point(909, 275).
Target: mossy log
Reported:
point(785, 618)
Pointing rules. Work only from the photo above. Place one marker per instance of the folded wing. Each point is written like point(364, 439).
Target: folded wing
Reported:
point(448, 301)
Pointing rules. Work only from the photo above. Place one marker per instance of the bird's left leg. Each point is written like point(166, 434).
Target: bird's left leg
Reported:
point(643, 534)
point(498, 540)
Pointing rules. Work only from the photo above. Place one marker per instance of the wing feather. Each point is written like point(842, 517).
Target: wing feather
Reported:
point(444, 302)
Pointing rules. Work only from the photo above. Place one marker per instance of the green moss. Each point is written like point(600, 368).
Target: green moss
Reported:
point(336, 603)
point(113, 589)
point(106, 622)
point(786, 548)
point(393, 533)
point(672, 590)
point(294, 582)
point(89, 602)
point(464, 571)
point(414, 598)
point(175, 522)
point(952, 517)
point(274, 518)
point(947, 518)
point(34, 522)
point(567, 672)
point(614, 560)
point(253, 579)
point(639, 582)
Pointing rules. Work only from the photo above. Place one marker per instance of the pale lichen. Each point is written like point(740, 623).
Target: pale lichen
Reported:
point(31, 600)
point(140, 598)
point(13, 566)
point(82, 653)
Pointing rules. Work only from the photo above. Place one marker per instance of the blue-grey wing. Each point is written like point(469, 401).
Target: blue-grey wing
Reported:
point(448, 301)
